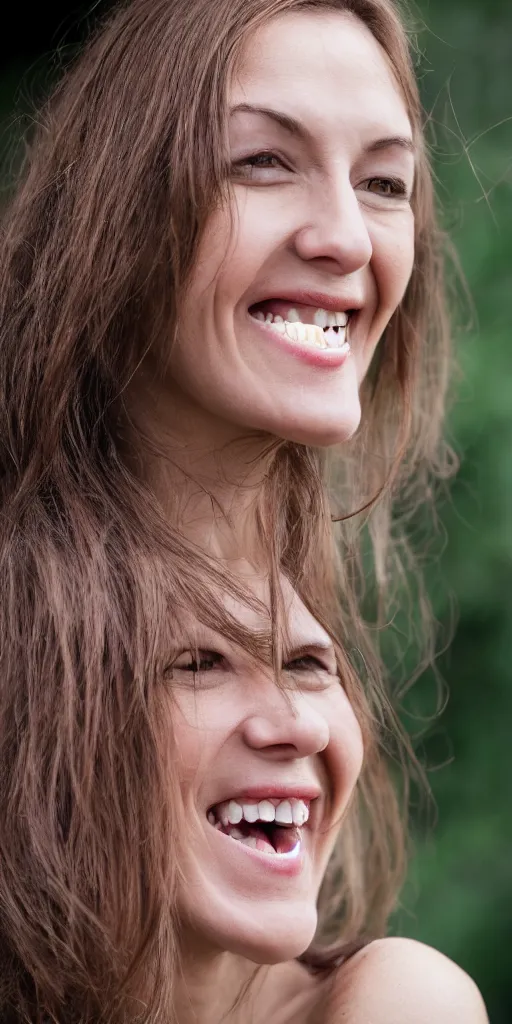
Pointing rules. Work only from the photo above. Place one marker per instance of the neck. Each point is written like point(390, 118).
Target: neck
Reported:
point(224, 988)
point(207, 474)
point(211, 987)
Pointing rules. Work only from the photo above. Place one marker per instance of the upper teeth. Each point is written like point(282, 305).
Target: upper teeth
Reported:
point(321, 317)
point(285, 812)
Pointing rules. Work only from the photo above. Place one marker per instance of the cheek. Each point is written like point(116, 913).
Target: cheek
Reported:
point(345, 752)
point(234, 245)
point(392, 262)
point(391, 265)
point(198, 731)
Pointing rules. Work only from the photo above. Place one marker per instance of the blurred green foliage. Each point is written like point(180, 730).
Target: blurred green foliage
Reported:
point(459, 895)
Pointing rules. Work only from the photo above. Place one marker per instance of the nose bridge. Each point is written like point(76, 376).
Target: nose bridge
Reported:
point(336, 226)
point(282, 718)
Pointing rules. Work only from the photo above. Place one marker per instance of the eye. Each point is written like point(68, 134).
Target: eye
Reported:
point(392, 187)
point(308, 664)
point(196, 661)
point(263, 161)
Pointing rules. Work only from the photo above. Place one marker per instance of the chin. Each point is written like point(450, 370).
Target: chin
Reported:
point(276, 943)
point(270, 935)
point(320, 430)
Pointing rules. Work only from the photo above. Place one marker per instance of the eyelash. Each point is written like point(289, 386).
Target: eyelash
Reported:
point(240, 164)
point(198, 664)
point(208, 661)
point(307, 663)
point(398, 186)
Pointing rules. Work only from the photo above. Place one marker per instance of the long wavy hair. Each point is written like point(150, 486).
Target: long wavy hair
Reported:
point(125, 164)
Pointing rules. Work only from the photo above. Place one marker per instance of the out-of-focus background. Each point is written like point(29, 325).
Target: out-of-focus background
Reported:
point(459, 895)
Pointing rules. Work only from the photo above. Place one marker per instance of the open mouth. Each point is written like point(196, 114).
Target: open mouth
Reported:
point(307, 325)
point(271, 826)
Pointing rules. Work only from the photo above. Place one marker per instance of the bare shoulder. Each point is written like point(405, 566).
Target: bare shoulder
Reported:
point(400, 981)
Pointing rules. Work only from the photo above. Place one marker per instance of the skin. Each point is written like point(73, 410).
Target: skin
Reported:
point(235, 723)
point(234, 727)
point(313, 217)
point(328, 211)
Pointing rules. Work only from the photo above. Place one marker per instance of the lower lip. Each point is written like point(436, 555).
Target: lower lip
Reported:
point(272, 864)
point(328, 358)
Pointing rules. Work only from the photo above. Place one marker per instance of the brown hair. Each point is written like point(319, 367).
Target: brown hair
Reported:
point(124, 168)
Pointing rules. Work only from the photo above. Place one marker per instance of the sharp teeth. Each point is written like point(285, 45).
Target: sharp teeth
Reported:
point(252, 842)
point(300, 812)
point(266, 811)
point(251, 812)
point(293, 331)
point(320, 318)
point(235, 812)
point(308, 334)
point(341, 319)
point(229, 814)
point(293, 316)
point(333, 339)
point(283, 813)
point(223, 813)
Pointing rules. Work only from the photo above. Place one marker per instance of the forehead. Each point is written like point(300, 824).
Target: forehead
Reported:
point(302, 626)
point(255, 614)
point(325, 67)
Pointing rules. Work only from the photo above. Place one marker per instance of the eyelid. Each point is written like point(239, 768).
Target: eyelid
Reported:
point(322, 662)
point(196, 654)
point(402, 191)
point(244, 161)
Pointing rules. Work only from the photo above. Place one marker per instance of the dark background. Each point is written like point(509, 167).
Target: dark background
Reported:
point(459, 895)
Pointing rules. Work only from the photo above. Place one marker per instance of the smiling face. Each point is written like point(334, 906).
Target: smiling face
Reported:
point(322, 171)
point(266, 776)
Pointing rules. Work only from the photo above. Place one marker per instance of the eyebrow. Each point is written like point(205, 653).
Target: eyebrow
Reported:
point(294, 127)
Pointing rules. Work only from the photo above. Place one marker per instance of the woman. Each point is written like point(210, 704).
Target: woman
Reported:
point(219, 199)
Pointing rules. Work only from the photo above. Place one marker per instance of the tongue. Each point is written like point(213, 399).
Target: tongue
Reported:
point(262, 838)
point(276, 840)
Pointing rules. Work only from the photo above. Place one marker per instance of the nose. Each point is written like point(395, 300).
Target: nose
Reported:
point(335, 230)
point(285, 725)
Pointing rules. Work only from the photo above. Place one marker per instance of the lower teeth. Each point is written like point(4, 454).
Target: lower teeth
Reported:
point(255, 844)
point(310, 334)
point(261, 843)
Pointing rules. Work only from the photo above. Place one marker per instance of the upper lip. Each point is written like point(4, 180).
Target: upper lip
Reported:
point(320, 300)
point(274, 791)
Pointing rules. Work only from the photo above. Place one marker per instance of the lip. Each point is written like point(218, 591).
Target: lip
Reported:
point(274, 791)
point(272, 865)
point(320, 300)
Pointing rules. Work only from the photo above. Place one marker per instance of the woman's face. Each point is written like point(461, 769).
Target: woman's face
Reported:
point(266, 776)
point(322, 171)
